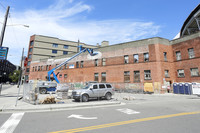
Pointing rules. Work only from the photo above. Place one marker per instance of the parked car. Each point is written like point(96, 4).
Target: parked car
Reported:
point(12, 83)
point(46, 86)
point(93, 90)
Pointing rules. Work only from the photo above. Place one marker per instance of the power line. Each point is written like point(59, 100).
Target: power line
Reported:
point(3, 6)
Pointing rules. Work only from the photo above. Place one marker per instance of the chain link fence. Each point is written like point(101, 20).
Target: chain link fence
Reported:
point(32, 91)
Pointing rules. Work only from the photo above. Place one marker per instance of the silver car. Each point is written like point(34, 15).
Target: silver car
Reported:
point(93, 90)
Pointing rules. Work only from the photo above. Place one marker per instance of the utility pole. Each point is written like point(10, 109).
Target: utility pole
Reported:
point(20, 75)
point(4, 26)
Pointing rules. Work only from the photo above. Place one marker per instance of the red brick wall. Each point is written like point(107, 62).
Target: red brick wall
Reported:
point(185, 62)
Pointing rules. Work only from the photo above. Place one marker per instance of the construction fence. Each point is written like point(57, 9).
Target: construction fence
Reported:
point(31, 91)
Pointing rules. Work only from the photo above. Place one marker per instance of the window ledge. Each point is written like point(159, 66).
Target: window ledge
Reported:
point(147, 79)
point(196, 76)
point(181, 77)
point(136, 81)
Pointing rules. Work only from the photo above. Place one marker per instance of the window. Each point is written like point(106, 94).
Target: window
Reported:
point(65, 46)
point(36, 68)
point(28, 63)
point(191, 53)
point(77, 64)
point(65, 75)
point(103, 77)
point(54, 51)
point(108, 86)
point(96, 62)
point(165, 56)
point(31, 43)
point(178, 55)
point(102, 86)
point(136, 76)
point(47, 67)
point(33, 69)
point(81, 64)
point(96, 77)
point(54, 45)
point(95, 87)
point(146, 57)
point(147, 74)
point(60, 76)
point(41, 68)
point(126, 76)
point(181, 73)
point(65, 66)
point(103, 61)
point(27, 70)
point(126, 59)
point(29, 56)
point(65, 52)
point(194, 71)
point(135, 58)
point(166, 73)
point(30, 50)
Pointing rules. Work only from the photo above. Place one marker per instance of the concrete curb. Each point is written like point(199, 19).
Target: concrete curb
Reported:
point(54, 107)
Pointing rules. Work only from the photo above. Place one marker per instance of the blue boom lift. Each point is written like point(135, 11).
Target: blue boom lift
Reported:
point(48, 86)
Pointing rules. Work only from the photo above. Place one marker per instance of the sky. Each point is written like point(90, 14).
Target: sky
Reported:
point(91, 21)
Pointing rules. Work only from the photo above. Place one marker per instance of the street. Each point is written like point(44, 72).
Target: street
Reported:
point(149, 113)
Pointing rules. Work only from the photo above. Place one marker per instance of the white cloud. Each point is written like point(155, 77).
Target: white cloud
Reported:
point(63, 20)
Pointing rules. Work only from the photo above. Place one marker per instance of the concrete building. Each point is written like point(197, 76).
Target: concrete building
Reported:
point(43, 47)
point(154, 60)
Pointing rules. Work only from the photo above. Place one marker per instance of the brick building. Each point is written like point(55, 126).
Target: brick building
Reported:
point(148, 60)
point(153, 60)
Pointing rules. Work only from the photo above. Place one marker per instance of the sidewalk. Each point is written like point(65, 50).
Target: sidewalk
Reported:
point(8, 100)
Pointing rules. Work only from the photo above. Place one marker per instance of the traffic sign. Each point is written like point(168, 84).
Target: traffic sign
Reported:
point(3, 53)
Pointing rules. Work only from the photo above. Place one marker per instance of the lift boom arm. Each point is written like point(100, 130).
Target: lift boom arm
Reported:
point(82, 50)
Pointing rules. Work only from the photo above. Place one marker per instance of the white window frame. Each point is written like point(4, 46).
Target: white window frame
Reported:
point(191, 53)
point(181, 73)
point(194, 72)
point(147, 74)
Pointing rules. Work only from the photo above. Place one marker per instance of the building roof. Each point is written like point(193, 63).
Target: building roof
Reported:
point(192, 23)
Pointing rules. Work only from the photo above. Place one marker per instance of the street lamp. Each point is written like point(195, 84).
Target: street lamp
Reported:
point(27, 26)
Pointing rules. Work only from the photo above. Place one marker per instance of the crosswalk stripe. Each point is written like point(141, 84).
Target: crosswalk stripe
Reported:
point(10, 125)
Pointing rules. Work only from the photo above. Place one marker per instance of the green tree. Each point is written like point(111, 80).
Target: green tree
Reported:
point(14, 76)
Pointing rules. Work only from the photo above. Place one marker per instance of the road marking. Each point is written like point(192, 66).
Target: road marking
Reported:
point(124, 122)
point(128, 111)
point(81, 117)
point(10, 125)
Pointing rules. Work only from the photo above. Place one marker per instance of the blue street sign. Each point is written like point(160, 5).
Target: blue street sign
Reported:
point(3, 53)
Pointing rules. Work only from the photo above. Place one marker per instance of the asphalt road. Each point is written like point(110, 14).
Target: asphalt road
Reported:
point(153, 114)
